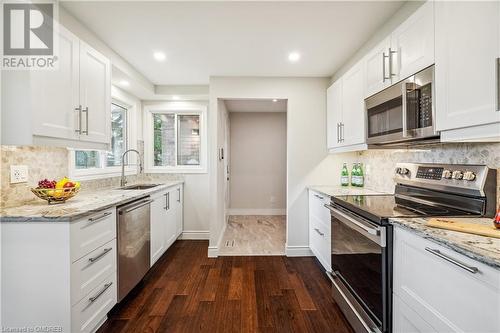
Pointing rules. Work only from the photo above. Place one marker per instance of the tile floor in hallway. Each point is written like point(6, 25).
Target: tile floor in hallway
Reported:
point(254, 235)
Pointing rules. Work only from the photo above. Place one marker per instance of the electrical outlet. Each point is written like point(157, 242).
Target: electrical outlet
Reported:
point(18, 174)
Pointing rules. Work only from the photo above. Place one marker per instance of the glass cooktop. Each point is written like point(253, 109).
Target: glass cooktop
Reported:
point(381, 207)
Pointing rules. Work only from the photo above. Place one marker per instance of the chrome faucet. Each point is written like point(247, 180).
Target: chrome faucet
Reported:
point(123, 180)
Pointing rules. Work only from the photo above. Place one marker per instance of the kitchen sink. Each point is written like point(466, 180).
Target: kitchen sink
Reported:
point(139, 187)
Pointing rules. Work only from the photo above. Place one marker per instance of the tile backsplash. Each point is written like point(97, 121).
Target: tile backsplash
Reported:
point(52, 163)
point(379, 165)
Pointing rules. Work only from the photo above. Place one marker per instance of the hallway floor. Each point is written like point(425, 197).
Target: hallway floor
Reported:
point(248, 235)
point(188, 292)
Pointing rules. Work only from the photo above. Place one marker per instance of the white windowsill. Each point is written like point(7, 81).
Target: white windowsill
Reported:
point(175, 170)
point(90, 174)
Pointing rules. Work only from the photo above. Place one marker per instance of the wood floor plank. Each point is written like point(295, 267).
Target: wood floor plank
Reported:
point(188, 292)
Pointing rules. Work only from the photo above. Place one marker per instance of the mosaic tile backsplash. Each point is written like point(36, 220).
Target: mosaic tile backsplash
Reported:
point(379, 165)
point(52, 163)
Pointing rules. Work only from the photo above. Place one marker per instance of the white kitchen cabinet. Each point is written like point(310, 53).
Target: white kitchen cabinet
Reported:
point(55, 93)
point(466, 75)
point(179, 211)
point(353, 106)
point(60, 274)
point(320, 228)
point(413, 42)
point(95, 95)
point(334, 114)
point(435, 292)
point(166, 220)
point(69, 106)
point(158, 216)
point(346, 110)
point(406, 51)
point(377, 68)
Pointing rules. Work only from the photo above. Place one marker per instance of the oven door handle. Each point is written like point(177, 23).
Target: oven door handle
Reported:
point(376, 234)
point(370, 230)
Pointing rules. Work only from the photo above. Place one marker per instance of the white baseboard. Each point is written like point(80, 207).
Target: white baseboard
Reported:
point(213, 251)
point(258, 211)
point(298, 251)
point(195, 234)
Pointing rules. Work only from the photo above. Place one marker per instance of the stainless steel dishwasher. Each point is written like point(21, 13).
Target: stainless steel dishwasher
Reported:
point(133, 236)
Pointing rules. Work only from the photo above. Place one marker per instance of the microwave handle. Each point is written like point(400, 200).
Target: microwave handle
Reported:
point(404, 110)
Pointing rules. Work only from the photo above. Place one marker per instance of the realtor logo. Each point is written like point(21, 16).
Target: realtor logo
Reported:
point(28, 36)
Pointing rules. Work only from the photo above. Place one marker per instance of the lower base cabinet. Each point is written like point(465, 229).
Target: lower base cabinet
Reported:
point(320, 228)
point(166, 220)
point(434, 294)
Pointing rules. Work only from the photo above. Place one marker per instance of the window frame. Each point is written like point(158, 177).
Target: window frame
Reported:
point(177, 108)
point(104, 171)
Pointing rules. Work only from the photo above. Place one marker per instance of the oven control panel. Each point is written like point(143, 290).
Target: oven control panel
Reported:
point(425, 172)
point(469, 178)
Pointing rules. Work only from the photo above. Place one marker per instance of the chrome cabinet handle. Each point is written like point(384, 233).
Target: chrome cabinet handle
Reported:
point(498, 83)
point(86, 110)
point(404, 110)
point(438, 253)
point(341, 132)
point(383, 68)
point(318, 196)
point(94, 259)
point(179, 194)
point(338, 132)
point(167, 201)
point(319, 232)
point(79, 109)
point(391, 53)
point(95, 219)
point(95, 297)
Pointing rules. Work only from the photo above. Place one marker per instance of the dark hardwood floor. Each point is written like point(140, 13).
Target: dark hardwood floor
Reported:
point(187, 292)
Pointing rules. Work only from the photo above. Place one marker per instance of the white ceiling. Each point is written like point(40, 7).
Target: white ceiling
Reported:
point(203, 39)
point(255, 105)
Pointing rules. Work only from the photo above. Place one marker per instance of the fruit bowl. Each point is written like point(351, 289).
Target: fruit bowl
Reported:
point(55, 195)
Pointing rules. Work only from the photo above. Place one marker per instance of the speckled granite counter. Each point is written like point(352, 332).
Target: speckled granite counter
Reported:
point(83, 204)
point(337, 190)
point(480, 248)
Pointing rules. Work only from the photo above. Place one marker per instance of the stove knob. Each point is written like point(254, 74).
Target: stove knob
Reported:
point(404, 171)
point(457, 174)
point(398, 171)
point(447, 174)
point(469, 175)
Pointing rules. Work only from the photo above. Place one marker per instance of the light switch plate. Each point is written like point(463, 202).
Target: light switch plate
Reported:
point(18, 174)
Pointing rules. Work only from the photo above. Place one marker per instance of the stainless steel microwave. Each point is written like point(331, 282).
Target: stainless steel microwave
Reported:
point(403, 112)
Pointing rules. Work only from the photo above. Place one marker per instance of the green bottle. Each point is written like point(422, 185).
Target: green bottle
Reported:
point(344, 176)
point(354, 175)
point(361, 176)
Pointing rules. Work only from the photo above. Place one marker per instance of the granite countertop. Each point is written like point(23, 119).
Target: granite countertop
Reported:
point(480, 248)
point(337, 190)
point(83, 204)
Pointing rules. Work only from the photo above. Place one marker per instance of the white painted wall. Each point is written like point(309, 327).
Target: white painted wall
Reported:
point(307, 160)
point(257, 162)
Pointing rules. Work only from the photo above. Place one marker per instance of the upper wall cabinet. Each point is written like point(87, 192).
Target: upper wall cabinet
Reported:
point(345, 111)
point(467, 87)
point(409, 49)
point(71, 105)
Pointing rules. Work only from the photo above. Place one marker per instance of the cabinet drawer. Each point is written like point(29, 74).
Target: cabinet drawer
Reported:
point(92, 232)
point(90, 311)
point(320, 242)
point(317, 207)
point(446, 295)
point(88, 272)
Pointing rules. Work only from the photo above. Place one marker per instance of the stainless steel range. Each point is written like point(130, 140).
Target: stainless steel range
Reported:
point(362, 235)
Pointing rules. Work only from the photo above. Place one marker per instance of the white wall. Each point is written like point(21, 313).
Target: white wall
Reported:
point(257, 162)
point(307, 160)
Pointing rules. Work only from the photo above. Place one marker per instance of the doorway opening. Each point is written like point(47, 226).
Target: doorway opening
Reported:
point(256, 174)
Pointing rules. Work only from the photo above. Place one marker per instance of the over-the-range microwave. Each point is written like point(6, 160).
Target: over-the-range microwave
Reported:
point(403, 112)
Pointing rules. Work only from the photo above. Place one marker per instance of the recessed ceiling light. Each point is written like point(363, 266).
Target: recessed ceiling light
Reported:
point(275, 100)
point(175, 97)
point(294, 57)
point(124, 83)
point(160, 56)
